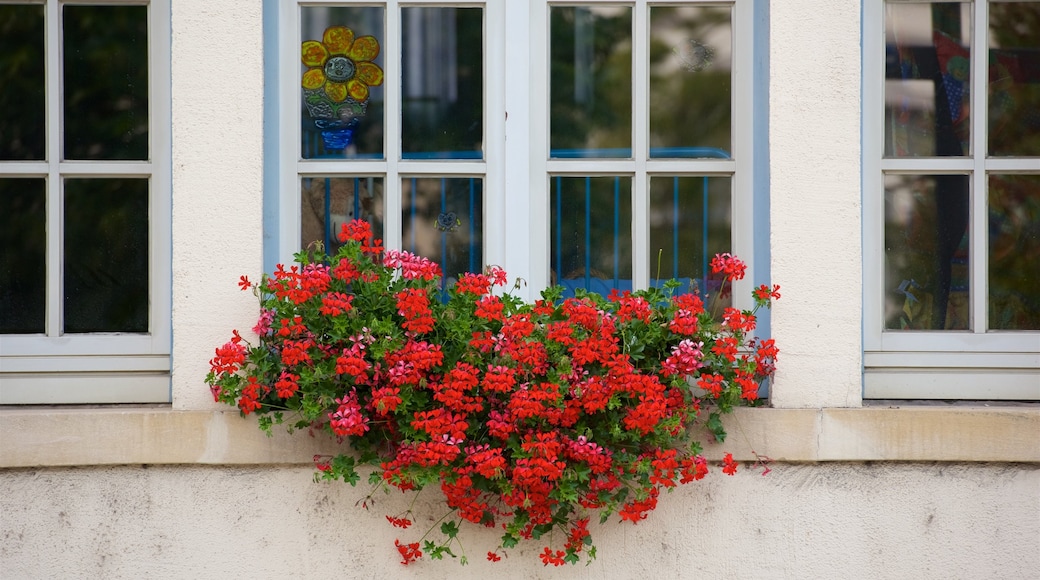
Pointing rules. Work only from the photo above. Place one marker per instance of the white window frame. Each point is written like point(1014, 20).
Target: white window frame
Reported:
point(516, 167)
point(98, 367)
point(972, 364)
point(641, 167)
point(392, 168)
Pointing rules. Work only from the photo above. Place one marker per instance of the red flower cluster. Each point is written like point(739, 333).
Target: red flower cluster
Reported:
point(527, 417)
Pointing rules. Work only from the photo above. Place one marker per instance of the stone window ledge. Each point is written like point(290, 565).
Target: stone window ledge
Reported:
point(158, 435)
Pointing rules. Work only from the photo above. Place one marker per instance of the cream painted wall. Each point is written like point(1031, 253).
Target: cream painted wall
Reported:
point(217, 110)
point(846, 521)
point(815, 221)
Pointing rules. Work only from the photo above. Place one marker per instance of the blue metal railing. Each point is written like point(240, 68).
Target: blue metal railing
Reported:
point(587, 280)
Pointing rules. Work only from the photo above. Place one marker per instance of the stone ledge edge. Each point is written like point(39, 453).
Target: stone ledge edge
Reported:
point(49, 437)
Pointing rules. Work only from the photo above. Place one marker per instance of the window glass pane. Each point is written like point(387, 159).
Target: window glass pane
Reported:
point(106, 82)
point(926, 252)
point(329, 202)
point(341, 72)
point(443, 220)
point(590, 103)
point(591, 233)
point(23, 256)
point(22, 76)
point(691, 63)
point(690, 222)
point(443, 83)
point(1014, 252)
point(106, 255)
point(1014, 78)
point(927, 81)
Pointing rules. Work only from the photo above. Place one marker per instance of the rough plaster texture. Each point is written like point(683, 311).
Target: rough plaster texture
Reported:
point(814, 164)
point(801, 521)
point(217, 111)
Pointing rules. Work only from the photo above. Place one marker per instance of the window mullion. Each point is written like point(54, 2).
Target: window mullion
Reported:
point(392, 123)
point(978, 233)
point(494, 133)
point(640, 147)
point(53, 309)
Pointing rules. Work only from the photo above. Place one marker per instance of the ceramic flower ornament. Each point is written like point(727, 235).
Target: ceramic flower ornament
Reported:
point(340, 70)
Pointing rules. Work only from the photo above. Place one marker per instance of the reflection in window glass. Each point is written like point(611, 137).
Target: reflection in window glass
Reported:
point(341, 74)
point(590, 82)
point(22, 99)
point(926, 252)
point(23, 253)
point(327, 203)
point(105, 72)
point(927, 80)
point(591, 233)
point(690, 221)
point(1014, 252)
point(106, 255)
point(443, 220)
point(442, 88)
point(691, 63)
point(1014, 78)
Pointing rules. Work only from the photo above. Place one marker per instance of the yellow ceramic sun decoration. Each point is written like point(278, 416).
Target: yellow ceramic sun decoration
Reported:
point(341, 65)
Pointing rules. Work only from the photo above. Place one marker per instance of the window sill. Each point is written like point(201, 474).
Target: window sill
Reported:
point(50, 437)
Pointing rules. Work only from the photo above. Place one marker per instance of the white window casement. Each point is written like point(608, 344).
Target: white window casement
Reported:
point(952, 200)
point(598, 145)
point(84, 202)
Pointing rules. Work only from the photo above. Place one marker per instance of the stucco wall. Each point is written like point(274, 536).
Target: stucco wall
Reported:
point(800, 521)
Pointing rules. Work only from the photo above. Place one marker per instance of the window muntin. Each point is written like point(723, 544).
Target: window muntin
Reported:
point(936, 182)
point(88, 190)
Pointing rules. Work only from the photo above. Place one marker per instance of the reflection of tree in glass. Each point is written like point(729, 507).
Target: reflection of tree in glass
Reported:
point(445, 113)
point(423, 201)
point(1014, 252)
point(106, 255)
point(689, 108)
point(1014, 79)
point(106, 82)
point(590, 78)
point(22, 99)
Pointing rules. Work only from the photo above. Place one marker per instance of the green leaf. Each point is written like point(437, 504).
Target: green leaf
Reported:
point(715, 426)
point(450, 529)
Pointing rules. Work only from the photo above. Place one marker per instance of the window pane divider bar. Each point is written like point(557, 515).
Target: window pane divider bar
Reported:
point(978, 230)
point(54, 187)
point(24, 168)
point(929, 164)
point(720, 167)
point(441, 168)
point(312, 167)
point(107, 168)
point(392, 125)
point(1013, 164)
point(592, 167)
point(640, 198)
